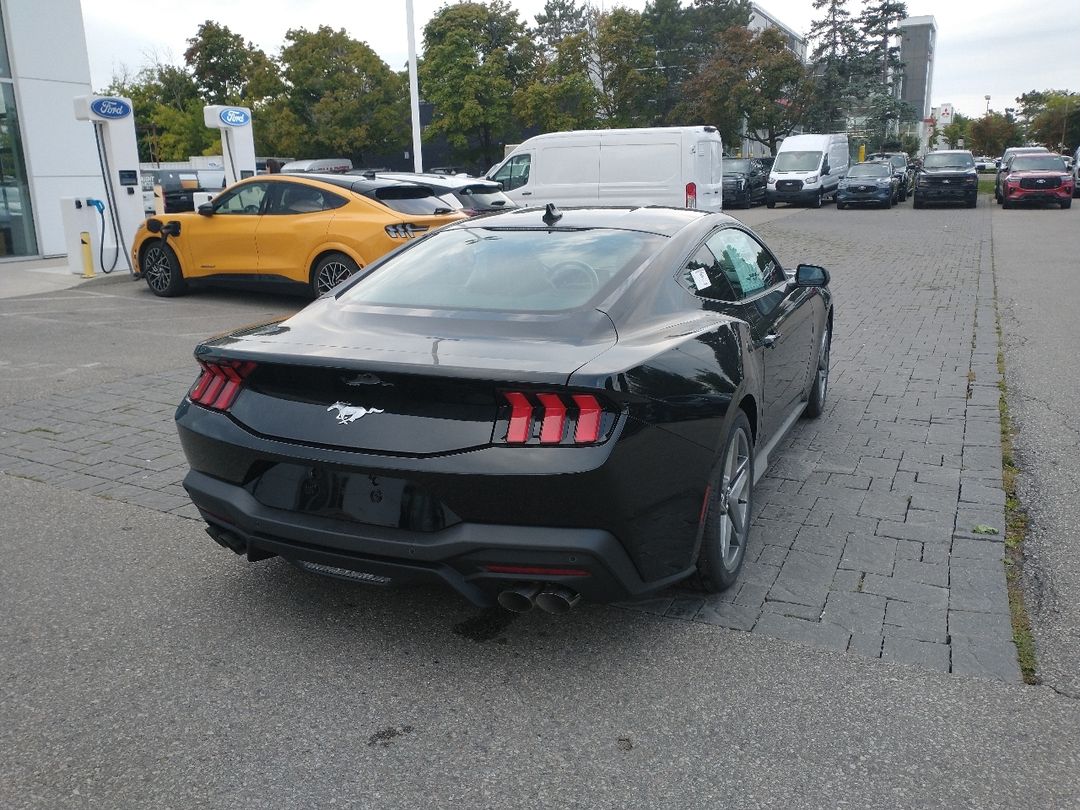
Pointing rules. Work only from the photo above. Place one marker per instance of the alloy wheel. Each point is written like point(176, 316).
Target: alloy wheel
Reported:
point(732, 506)
point(157, 268)
point(330, 275)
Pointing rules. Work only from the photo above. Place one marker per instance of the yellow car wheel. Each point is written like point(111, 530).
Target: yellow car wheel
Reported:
point(161, 269)
point(329, 271)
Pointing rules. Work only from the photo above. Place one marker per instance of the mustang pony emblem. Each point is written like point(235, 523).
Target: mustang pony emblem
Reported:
point(350, 413)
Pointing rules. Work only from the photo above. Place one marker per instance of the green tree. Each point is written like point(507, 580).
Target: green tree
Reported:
point(562, 95)
point(342, 99)
point(957, 133)
point(752, 85)
point(227, 70)
point(477, 57)
point(559, 19)
point(1052, 118)
point(993, 134)
point(622, 68)
point(833, 56)
point(667, 28)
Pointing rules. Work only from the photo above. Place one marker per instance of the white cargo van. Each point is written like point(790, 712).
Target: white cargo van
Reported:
point(807, 169)
point(677, 166)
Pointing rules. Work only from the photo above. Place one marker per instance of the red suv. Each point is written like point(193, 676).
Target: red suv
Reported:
point(1037, 179)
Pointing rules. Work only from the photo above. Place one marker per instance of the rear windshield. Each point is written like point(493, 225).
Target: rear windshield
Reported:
point(483, 198)
point(797, 162)
point(1038, 163)
point(410, 200)
point(869, 170)
point(947, 160)
point(493, 269)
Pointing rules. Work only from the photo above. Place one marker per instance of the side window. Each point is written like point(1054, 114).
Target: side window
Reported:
point(298, 198)
point(747, 264)
point(245, 199)
point(514, 173)
point(703, 276)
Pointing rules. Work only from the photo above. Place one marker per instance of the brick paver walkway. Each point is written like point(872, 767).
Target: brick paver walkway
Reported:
point(863, 536)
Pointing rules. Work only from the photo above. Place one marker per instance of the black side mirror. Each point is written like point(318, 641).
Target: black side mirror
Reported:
point(206, 209)
point(153, 225)
point(810, 275)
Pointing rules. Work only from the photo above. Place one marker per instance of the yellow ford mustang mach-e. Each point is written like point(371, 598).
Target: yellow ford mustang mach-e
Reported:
point(309, 230)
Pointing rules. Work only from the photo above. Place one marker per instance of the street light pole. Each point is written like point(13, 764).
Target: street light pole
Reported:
point(987, 104)
point(414, 90)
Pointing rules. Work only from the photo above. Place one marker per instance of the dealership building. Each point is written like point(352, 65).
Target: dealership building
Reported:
point(45, 154)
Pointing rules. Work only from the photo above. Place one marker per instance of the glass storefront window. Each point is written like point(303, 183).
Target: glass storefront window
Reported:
point(16, 219)
point(5, 64)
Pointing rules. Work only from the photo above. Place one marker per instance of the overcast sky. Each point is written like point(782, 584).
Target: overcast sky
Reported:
point(999, 48)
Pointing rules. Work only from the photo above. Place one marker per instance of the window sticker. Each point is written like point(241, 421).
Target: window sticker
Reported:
point(701, 279)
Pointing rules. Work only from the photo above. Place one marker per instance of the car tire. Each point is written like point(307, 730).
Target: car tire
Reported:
point(160, 267)
point(916, 202)
point(974, 201)
point(723, 542)
point(329, 271)
point(770, 204)
point(887, 204)
point(819, 390)
point(1006, 204)
point(841, 206)
point(816, 202)
point(1066, 204)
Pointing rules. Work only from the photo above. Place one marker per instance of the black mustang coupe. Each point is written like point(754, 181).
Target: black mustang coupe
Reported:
point(531, 407)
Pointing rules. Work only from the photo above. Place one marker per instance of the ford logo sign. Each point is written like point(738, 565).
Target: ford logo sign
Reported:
point(235, 117)
point(110, 108)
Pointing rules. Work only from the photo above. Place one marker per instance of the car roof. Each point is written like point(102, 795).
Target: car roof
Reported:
point(441, 182)
point(651, 219)
point(361, 185)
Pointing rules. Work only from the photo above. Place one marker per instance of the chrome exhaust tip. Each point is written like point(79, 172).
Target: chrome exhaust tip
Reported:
point(557, 599)
point(520, 598)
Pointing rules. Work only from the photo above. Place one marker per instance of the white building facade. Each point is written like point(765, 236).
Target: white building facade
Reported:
point(45, 154)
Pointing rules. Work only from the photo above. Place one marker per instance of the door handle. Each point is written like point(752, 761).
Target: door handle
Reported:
point(770, 340)
point(526, 193)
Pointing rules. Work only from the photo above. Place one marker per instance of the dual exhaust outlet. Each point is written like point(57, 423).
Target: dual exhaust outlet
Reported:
point(546, 596)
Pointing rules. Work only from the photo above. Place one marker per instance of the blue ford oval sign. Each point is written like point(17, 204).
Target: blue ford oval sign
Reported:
point(110, 108)
point(234, 117)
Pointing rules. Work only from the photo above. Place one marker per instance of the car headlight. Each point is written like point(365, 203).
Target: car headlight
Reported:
point(811, 179)
point(740, 182)
point(1065, 178)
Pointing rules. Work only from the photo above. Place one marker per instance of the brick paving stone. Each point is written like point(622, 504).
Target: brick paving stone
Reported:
point(806, 632)
point(914, 531)
point(976, 624)
point(844, 580)
point(903, 650)
point(684, 607)
point(989, 549)
point(725, 614)
point(905, 590)
point(928, 573)
point(860, 613)
point(803, 579)
point(797, 611)
point(866, 645)
point(985, 658)
point(870, 554)
point(978, 586)
point(924, 622)
point(820, 540)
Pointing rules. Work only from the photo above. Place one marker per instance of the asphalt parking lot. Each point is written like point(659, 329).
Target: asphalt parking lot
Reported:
point(144, 666)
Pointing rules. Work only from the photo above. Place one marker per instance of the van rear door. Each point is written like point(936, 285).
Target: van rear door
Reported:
point(642, 169)
point(708, 174)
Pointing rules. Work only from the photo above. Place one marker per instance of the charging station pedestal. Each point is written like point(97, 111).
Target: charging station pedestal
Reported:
point(80, 218)
point(118, 152)
point(237, 139)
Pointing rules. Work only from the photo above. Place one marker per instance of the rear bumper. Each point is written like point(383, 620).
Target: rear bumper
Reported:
point(625, 512)
point(456, 557)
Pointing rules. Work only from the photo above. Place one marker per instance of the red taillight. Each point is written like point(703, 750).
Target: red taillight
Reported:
point(220, 382)
point(562, 418)
point(536, 570)
point(520, 417)
point(691, 195)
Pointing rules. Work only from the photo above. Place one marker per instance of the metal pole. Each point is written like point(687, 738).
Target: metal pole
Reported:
point(414, 90)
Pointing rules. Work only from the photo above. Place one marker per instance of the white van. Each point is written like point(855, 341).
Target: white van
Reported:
point(677, 166)
point(807, 169)
point(318, 165)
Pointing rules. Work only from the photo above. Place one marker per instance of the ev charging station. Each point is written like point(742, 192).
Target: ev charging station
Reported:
point(237, 140)
point(115, 218)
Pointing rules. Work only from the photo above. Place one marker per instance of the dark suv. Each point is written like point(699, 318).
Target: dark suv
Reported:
point(744, 182)
point(901, 168)
point(947, 176)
